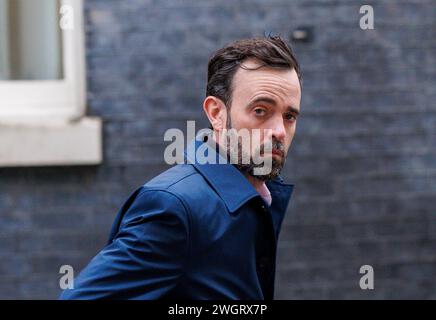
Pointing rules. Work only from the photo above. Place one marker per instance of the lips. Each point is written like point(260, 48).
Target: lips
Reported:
point(277, 152)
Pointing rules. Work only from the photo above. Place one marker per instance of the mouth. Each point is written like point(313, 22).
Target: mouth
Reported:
point(277, 152)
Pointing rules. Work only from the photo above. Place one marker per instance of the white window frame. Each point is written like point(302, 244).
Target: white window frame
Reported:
point(43, 122)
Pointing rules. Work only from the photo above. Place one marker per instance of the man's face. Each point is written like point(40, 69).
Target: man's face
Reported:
point(267, 99)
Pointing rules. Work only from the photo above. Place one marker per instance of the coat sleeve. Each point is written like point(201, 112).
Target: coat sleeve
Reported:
point(147, 256)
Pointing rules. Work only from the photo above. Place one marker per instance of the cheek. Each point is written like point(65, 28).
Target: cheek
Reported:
point(290, 135)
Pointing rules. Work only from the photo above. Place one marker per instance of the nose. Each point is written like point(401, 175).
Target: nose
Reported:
point(278, 130)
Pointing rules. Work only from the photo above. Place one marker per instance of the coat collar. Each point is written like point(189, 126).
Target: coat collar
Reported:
point(228, 182)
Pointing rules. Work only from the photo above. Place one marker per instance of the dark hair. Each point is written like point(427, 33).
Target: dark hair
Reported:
point(271, 51)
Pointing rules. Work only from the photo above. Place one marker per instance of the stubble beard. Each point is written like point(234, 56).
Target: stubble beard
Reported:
point(249, 168)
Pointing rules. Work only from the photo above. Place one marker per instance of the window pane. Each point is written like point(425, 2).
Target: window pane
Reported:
point(30, 40)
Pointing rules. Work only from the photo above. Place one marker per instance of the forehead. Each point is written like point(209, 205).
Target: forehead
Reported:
point(282, 84)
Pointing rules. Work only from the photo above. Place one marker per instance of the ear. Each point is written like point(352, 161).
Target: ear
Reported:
point(216, 112)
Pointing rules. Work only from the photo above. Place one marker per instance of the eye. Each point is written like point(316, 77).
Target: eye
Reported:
point(290, 117)
point(259, 112)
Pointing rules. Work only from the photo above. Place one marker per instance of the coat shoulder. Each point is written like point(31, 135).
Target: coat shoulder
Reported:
point(166, 180)
point(183, 181)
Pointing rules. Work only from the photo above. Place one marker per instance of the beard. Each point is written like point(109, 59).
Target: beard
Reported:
point(271, 168)
point(249, 168)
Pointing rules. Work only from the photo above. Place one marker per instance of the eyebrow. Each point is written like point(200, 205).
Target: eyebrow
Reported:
point(273, 102)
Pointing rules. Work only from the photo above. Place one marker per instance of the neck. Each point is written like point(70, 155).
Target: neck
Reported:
point(257, 183)
point(260, 187)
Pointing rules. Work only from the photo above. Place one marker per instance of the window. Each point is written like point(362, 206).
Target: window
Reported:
point(30, 26)
point(42, 85)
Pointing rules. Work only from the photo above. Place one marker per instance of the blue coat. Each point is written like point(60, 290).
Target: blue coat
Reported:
point(196, 231)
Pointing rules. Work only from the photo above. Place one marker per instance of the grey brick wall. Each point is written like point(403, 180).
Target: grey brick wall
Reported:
point(363, 160)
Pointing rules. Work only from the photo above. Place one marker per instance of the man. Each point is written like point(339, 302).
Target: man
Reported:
point(210, 230)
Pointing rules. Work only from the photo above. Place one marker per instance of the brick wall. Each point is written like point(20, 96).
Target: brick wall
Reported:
point(363, 160)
